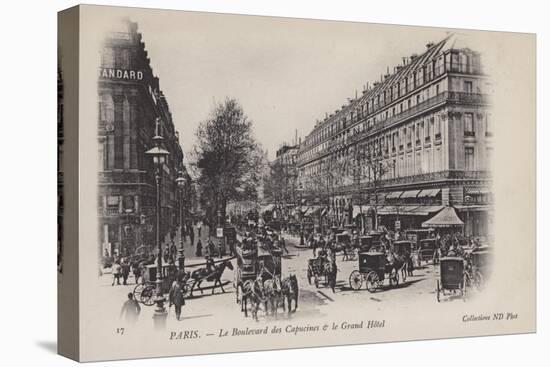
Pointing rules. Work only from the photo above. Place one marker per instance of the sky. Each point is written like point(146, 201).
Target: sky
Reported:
point(286, 73)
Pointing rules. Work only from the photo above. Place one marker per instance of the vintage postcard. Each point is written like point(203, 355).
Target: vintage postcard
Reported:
point(239, 183)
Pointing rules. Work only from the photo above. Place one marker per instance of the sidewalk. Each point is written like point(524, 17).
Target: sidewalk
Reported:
point(190, 249)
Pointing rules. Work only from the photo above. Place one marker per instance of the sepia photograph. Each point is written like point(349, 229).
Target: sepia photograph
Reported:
point(266, 183)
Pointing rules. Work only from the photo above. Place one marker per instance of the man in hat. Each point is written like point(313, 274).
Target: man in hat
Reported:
point(176, 296)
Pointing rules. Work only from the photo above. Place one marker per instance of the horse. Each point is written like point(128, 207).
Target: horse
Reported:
point(214, 275)
point(396, 262)
point(253, 290)
point(272, 294)
point(289, 291)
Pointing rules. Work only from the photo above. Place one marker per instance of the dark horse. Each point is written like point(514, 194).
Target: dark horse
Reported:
point(213, 275)
point(397, 262)
point(289, 291)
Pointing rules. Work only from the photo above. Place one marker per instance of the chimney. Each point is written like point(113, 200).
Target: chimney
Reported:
point(429, 44)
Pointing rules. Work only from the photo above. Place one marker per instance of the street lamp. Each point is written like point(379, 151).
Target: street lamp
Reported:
point(181, 184)
point(159, 157)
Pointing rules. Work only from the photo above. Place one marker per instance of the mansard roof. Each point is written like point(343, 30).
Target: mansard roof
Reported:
point(416, 62)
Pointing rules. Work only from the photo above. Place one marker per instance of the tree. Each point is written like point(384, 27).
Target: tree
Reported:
point(227, 158)
point(370, 157)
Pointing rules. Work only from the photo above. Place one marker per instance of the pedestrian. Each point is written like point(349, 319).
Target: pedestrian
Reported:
point(136, 270)
point(198, 251)
point(125, 271)
point(176, 297)
point(173, 251)
point(116, 273)
point(283, 244)
point(192, 235)
point(210, 247)
point(199, 228)
point(130, 309)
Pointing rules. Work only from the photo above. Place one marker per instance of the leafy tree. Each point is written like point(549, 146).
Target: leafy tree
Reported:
point(227, 158)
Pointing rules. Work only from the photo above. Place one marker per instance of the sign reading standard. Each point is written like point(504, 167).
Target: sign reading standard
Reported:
point(111, 73)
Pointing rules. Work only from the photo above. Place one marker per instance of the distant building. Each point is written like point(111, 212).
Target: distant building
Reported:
point(419, 139)
point(285, 159)
point(129, 102)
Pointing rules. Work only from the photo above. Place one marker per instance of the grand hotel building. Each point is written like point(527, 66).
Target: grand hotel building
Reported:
point(129, 102)
point(415, 141)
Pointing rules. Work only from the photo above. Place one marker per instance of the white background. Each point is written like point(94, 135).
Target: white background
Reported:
point(28, 182)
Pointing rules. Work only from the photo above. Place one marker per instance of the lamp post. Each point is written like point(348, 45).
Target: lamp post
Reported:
point(181, 184)
point(159, 157)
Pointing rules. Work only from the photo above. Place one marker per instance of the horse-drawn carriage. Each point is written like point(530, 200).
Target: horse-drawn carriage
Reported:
point(258, 279)
point(417, 235)
point(322, 266)
point(373, 268)
point(344, 244)
point(428, 251)
point(253, 263)
point(403, 247)
point(144, 292)
point(452, 278)
point(478, 267)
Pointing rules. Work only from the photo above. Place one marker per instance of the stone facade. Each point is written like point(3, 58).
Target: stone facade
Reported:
point(129, 101)
point(415, 141)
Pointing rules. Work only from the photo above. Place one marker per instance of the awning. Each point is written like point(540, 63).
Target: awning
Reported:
point(426, 209)
point(477, 190)
point(445, 218)
point(429, 193)
point(394, 195)
point(386, 210)
point(410, 194)
point(358, 209)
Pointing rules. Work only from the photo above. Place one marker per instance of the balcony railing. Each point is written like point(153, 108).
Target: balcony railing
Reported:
point(423, 177)
point(444, 97)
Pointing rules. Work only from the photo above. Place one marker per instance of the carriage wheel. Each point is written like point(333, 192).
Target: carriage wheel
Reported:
point(355, 280)
point(137, 291)
point(437, 291)
point(372, 281)
point(147, 296)
point(478, 280)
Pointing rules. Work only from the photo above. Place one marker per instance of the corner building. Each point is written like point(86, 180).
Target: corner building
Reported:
point(415, 141)
point(129, 102)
